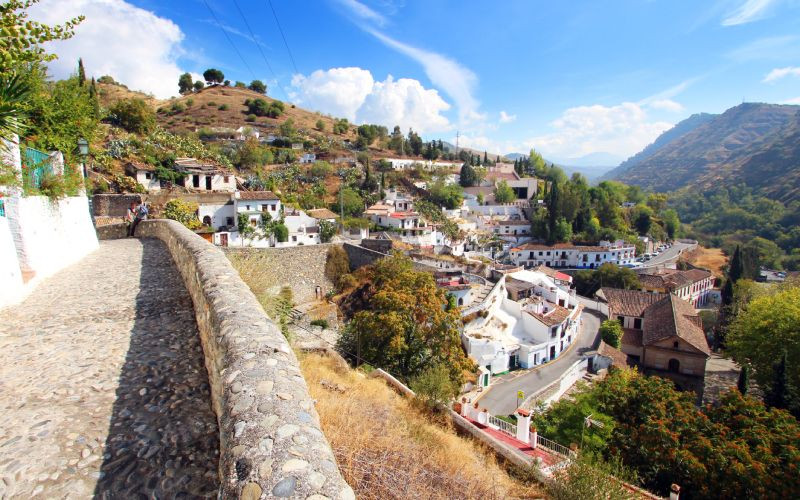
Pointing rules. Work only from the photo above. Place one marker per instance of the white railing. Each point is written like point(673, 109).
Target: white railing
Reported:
point(559, 449)
point(503, 426)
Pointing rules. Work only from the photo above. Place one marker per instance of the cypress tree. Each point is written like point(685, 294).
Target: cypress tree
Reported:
point(744, 380)
point(81, 73)
point(485, 158)
point(736, 267)
point(778, 395)
point(552, 209)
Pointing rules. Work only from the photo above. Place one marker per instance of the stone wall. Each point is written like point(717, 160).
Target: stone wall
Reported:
point(270, 438)
point(113, 205)
point(301, 268)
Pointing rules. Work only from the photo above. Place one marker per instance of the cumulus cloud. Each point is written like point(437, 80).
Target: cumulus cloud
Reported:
point(747, 12)
point(506, 118)
point(666, 105)
point(133, 45)
point(778, 73)
point(353, 93)
point(338, 91)
point(623, 130)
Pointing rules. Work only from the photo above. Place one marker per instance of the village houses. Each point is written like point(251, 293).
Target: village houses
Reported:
point(693, 285)
point(574, 256)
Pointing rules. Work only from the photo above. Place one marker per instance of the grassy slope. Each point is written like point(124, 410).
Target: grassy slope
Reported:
point(387, 448)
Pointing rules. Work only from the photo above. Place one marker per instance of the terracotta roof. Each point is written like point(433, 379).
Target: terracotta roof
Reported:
point(257, 195)
point(199, 166)
point(697, 274)
point(670, 279)
point(565, 246)
point(671, 317)
point(137, 165)
point(631, 337)
point(321, 213)
point(555, 317)
point(618, 358)
point(513, 223)
point(628, 302)
point(548, 271)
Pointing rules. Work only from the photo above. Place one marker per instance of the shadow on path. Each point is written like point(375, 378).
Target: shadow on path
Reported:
point(162, 440)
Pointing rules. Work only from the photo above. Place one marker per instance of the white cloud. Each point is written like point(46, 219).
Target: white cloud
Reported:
point(747, 12)
point(354, 94)
point(506, 118)
point(338, 91)
point(666, 105)
point(364, 12)
point(133, 45)
point(622, 130)
point(778, 73)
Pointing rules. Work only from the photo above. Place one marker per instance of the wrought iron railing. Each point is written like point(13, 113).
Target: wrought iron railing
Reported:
point(559, 449)
point(503, 426)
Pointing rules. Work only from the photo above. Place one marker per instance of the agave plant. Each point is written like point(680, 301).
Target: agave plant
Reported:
point(14, 92)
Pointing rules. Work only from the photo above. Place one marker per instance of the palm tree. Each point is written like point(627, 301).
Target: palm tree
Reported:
point(14, 92)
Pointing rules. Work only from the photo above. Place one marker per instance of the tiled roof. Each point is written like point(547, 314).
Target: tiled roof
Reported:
point(670, 279)
point(257, 195)
point(618, 358)
point(697, 274)
point(564, 246)
point(672, 317)
point(548, 271)
point(632, 337)
point(137, 165)
point(555, 317)
point(628, 302)
point(200, 166)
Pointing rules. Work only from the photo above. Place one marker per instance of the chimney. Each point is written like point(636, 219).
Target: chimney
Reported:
point(674, 492)
point(523, 425)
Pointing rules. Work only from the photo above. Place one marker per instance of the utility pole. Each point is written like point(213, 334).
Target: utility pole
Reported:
point(457, 135)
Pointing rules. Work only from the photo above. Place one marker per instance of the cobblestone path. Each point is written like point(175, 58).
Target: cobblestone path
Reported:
point(103, 392)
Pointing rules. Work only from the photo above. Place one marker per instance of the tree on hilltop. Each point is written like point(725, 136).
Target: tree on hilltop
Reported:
point(199, 85)
point(185, 83)
point(258, 86)
point(213, 76)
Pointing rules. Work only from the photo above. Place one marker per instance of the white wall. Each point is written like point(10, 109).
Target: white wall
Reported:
point(10, 275)
point(50, 235)
point(218, 213)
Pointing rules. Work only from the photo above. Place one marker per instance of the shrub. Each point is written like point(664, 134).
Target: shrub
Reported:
point(211, 103)
point(134, 115)
point(223, 107)
point(184, 212)
point(250, 118)
point(281, 233)
point(189, 103)
point(611, 332)
point(433, 387)
point(337, 264)
point(320, 125)
point(320, 322)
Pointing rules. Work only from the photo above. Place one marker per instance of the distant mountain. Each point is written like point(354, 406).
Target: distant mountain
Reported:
point(591, 160)
point(679, 130)
point(753, 144)
point(592, 165)
point(515, 156)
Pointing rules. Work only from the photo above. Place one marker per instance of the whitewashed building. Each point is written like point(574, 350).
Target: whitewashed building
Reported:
point(574, 256)
point(144, 175)
point(202, 175)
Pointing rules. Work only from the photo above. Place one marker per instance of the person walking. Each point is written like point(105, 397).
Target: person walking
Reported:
point(141, 214)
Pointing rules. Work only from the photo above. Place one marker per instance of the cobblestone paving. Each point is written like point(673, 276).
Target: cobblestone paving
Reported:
point(103, 391)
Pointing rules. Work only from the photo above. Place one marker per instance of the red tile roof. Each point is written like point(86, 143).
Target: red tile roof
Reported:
point(618, 358)
point(257, 195)
point(674, 317)
point(628, 302)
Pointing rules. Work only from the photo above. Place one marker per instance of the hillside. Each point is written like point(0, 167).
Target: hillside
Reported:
point(679, 130)
point(753, 144)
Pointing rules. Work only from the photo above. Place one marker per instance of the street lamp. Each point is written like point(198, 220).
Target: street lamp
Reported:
point(83, 150)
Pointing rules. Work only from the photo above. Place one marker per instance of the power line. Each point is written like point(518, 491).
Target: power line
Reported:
point(283, 36)
point(255, 41)
point(219, 24)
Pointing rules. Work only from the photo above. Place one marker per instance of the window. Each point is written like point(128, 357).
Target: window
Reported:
point(247, 207)
point(637, 323)
point(294, 238)
point(621, 320)
point(148, 175)
point(228, 221)
point(675, 345)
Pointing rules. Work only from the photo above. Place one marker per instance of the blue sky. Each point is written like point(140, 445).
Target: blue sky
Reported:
point(570, 78)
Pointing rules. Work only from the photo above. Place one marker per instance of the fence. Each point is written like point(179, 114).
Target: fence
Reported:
point(554, 447)
point(503, 426)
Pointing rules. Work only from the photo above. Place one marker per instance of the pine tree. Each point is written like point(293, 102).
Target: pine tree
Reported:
point(778, 395)
point(744, 380)
point(81, 73)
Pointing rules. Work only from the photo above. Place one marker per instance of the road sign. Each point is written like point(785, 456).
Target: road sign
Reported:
point(520, 395)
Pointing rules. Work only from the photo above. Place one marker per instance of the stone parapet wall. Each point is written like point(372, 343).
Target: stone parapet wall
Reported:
point(271, 444)
point(113, 205)
point(302, 268)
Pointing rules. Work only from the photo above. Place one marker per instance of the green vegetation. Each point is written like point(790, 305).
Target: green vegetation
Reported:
point(503, 193)
point(434, 388)
point(320, 125)
point(185, 83)
point(611, 332)
point(134, 115)
point(341, 126)
point(182, 211)
point(588, 281)
point(405, 327)
point(260, 107)
point(258, 86)
point(213, 76)
point(326, 231)
point(322, 323)
point(736, 449)
point(337, 265)
point(449, 196)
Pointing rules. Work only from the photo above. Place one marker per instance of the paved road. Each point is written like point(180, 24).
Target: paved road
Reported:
point(103, 391)
point(669, 255)
point(501, 399)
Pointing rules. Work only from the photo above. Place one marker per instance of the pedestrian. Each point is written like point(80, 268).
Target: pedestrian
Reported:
point(130, 215)
point(141, 214)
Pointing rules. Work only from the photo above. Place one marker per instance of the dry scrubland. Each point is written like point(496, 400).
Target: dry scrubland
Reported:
point(387, 448)
point(708, 258)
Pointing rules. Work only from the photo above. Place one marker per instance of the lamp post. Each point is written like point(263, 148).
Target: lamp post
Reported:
point(83, 150)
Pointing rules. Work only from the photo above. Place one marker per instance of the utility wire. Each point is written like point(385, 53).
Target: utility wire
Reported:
point(275, 15)
point(255, 41)
point(219, 24)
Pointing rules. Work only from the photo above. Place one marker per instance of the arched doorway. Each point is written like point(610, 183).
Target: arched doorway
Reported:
point(674, 365)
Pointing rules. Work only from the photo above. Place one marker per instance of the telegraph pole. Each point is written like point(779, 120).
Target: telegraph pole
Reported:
point(457, 135)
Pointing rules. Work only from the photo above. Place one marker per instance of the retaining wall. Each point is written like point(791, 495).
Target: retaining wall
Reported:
point(270, 438)
point(10, 275)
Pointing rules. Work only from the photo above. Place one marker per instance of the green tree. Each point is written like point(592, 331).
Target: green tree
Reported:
point(198, 86)
point(14, 94)
point(562, 232)
point(587, 282)
point(537, 164)
point(671, 223)
point(351, 202)
point(449, 196)
point(213, 76)
point(185, 83)
point(326, 230)
point(281, 232)
point(434, 388)
point(320, 125)
point(766, 331)
point(414, 142)
point(81, 73)
point(611, 333)
point(467, 177)
point(182, 211)
point(590, 477)
point(405, 327)
point(743, 383)
point(258, 86)
point(240, 85)
point(287, 128)
point(134, 115)
point(503, 193)
point(341, 126)
point(641, 217)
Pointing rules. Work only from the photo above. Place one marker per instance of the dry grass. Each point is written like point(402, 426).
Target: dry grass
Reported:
point(708, 258)
point(387, 448)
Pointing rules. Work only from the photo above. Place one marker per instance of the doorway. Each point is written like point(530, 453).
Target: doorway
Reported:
point(552, 352)
point(208, 183)
point(674, 365)
point(223, 239)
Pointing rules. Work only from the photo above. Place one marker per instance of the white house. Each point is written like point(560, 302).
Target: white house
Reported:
point(529, 320)
point(217, 214)
point(205, 176)
point(308, 158)
point(303, 229)
point(408, 224)
point(144, 175)
point(575, 256)
point(255, 205)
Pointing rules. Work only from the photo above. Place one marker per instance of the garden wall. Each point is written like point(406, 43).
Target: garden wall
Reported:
point(10, 275)
point(270, 438)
